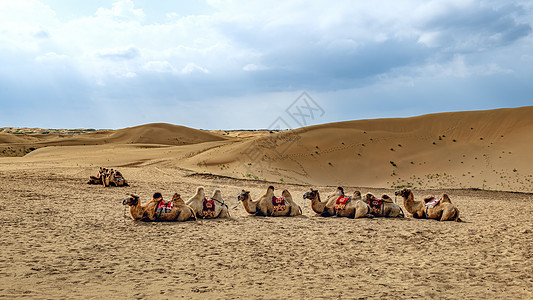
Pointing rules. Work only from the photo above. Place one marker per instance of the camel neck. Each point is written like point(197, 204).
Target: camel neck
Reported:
point(410, 204)
point(249, 205)
point(316, 205)
point(136, 211)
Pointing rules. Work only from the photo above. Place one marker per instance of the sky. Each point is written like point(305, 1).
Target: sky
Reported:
point(220, 64)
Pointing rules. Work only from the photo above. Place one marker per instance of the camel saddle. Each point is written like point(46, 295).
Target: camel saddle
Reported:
point(208, 210)
point(279, 203)
point(341, 202)
point(432, 202)
point(376, 206)
point(164, 207)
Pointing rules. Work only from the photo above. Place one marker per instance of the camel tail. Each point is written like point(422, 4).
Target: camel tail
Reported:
point(193, 213)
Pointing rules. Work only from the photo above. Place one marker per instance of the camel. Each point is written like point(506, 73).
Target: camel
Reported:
point(351, 207)
point(444, 210)
point(115, 178)
point(269, 205)
point(383, 207)
point(208, 208)
point(175, 210)
point(99, 176)
point(318, 206)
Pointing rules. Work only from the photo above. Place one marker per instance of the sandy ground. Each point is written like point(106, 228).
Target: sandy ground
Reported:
point(62, 238)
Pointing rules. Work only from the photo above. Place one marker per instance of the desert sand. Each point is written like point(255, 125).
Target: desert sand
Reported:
point(62, 238)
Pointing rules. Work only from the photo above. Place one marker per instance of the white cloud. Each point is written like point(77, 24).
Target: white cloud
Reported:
point(254, 67)
point(193, 68)
point(122, 53)
point(123, 10)
point(160, 67)
point(52, 57)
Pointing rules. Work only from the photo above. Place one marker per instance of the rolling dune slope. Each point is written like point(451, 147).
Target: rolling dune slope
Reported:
point(480, 149)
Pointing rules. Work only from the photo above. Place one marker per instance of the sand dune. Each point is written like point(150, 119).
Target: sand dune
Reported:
point(481, 149)
point(478, 149)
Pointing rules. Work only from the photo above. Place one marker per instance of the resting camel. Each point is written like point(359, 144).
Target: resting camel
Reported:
point(383, 207)
point(269, 205)
point(444, 210)
point(351, 207)
point(318, 206)
point(208, 208)
point(115, 178)
point(99, 176)
point(174, 210)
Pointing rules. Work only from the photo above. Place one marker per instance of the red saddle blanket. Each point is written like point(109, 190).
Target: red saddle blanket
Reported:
point(164, 207)
point(376, 206)
point(208, 210)
point(341, 202)
point(279, 203)
point(430, 203)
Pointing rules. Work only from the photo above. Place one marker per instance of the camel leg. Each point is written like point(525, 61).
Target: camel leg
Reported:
point(362, 210)
point(224, 213)
point(449, 214)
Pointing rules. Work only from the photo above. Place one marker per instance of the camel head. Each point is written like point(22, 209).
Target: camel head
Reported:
point(177, 198)
point(405, 192)
point(132, 200)
point(311, 194)
point(357, 195)
point(217, 195)
point(244, 195)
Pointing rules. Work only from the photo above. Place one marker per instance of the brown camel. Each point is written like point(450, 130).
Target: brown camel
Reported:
point(99, 176)
point(269, 205)
point(158, 210)
point(351, 207)
point(114, 178)
point(318, 206)
point(444, 210)
point(208, 208)
point(383, 207)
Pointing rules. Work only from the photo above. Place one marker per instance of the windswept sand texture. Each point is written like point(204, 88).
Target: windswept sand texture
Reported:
point(62, 238)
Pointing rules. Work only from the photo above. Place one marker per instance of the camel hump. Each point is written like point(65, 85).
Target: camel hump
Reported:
point(428, 198)
point(177, 198)
point(446, 198)
point(386, 198)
